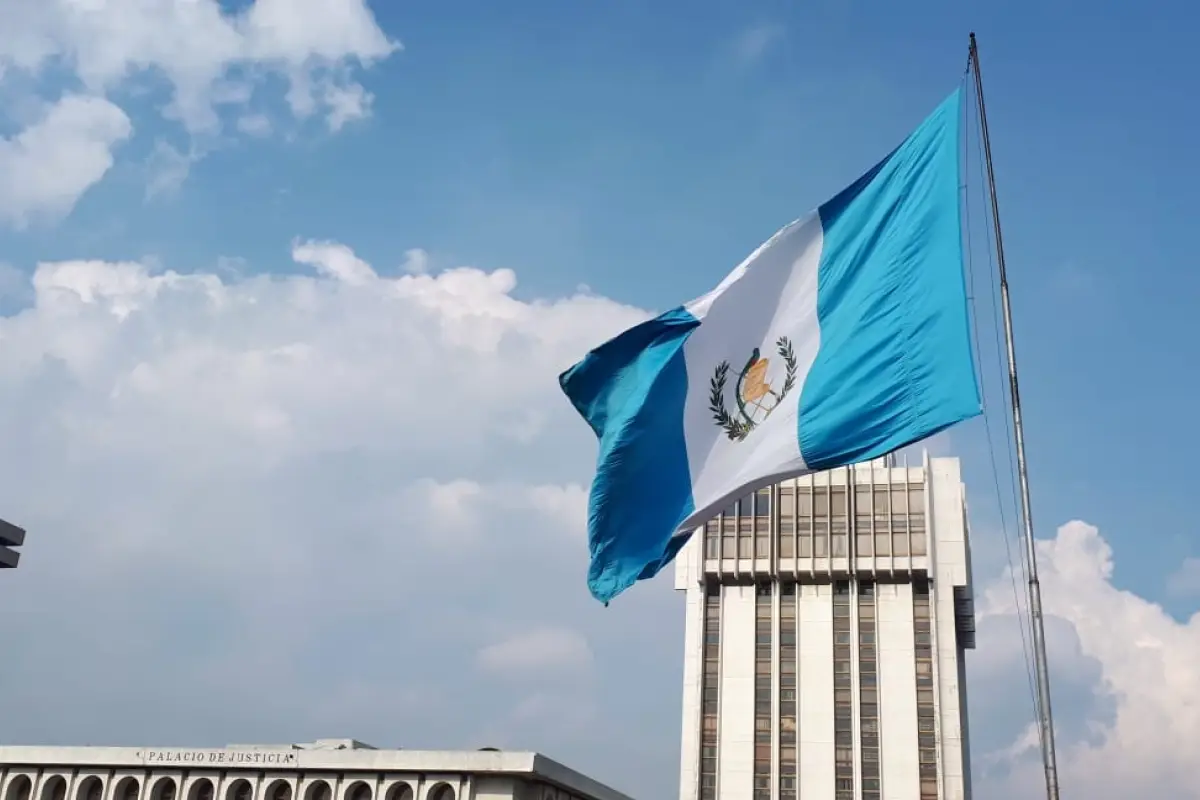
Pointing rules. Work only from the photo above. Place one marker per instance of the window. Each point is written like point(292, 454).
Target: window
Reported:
point(837, 498)
point(441, 792)
point(90, 789)
point(764, 613)
point(820, 502)
point(240, 790)
point(926, 750)
point(821, 546)
point(712, 545)
point(843, 703)
point(762, 546)
point(804, 505)
point(165, 789)
point(729, 545)
point(787, 504)
point(203, 789)
point(710, 689)
point(55, 788)
point(862, 500)
point(128, 789)
point(839, 546)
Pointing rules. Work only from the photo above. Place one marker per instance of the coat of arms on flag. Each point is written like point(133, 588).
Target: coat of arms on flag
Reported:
point(754, 392)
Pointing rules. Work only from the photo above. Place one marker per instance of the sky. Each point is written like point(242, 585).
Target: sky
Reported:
point(286, 285)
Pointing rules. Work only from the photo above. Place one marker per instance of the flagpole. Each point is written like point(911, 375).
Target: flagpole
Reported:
point(1045, 718)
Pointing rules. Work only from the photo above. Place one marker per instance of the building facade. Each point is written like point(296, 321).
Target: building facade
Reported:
point(827, 618)
point(335, 769)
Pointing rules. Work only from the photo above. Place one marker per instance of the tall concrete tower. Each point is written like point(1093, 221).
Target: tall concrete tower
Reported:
point(827, 619)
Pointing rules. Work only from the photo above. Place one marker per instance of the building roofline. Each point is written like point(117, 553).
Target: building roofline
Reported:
point(318, 760)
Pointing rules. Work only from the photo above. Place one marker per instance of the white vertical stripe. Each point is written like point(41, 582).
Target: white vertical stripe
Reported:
point(736, 734)
point(815, 685)
point(897, 692)
point(944, 525)
point(773, 293)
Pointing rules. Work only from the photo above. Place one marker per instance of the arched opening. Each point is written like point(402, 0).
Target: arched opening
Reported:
point(240, 790)
point(279, 790)
point(19, 788)
point(358, 791)
point(400, 791)
point(201, 790)
point(127, 789)
point(55, 788)
point(92, 788)
point(164, 789)
point(441, 792)
point(318, 790)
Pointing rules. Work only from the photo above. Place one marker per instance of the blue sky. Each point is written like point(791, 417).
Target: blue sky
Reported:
point(639, 149)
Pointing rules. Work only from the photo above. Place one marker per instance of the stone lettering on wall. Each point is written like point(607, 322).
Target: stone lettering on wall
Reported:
point(219, 758)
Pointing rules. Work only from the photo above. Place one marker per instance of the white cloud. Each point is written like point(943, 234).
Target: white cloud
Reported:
point(257, 125)
point(536, 652)
point(168, 168)
point(416, 261)
point(363, 491)
point(258, 474)
point(346, 104)
point(334, 260)
point(1137, 733)
point(50, 164)
point(216, 65)
point(207, 55)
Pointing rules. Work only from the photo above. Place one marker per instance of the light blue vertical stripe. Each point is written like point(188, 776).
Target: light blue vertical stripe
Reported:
point(895, 362)
point(632, 391)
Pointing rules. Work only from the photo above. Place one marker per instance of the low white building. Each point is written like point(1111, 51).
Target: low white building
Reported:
point(329, 769)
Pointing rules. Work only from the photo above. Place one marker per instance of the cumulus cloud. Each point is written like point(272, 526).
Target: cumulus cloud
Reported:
point(208, 56)
point(217, 66)
point(366, 493)
point(1134, 727)
point(168, 168)
point(276, 507)
point(50, 164)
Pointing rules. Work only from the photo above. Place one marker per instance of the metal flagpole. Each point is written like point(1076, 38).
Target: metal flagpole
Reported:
point(1045, 718)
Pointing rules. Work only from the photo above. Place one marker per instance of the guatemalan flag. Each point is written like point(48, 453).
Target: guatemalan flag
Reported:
point(843, 338)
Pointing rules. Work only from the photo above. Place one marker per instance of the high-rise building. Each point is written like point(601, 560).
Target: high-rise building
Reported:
point(827, 618)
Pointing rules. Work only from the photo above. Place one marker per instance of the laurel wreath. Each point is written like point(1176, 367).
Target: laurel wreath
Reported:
point(738, 429)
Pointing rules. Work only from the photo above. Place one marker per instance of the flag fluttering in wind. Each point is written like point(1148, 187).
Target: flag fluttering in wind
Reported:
point(842, 338)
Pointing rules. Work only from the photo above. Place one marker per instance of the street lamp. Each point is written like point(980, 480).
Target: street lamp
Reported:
point(10, 536)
